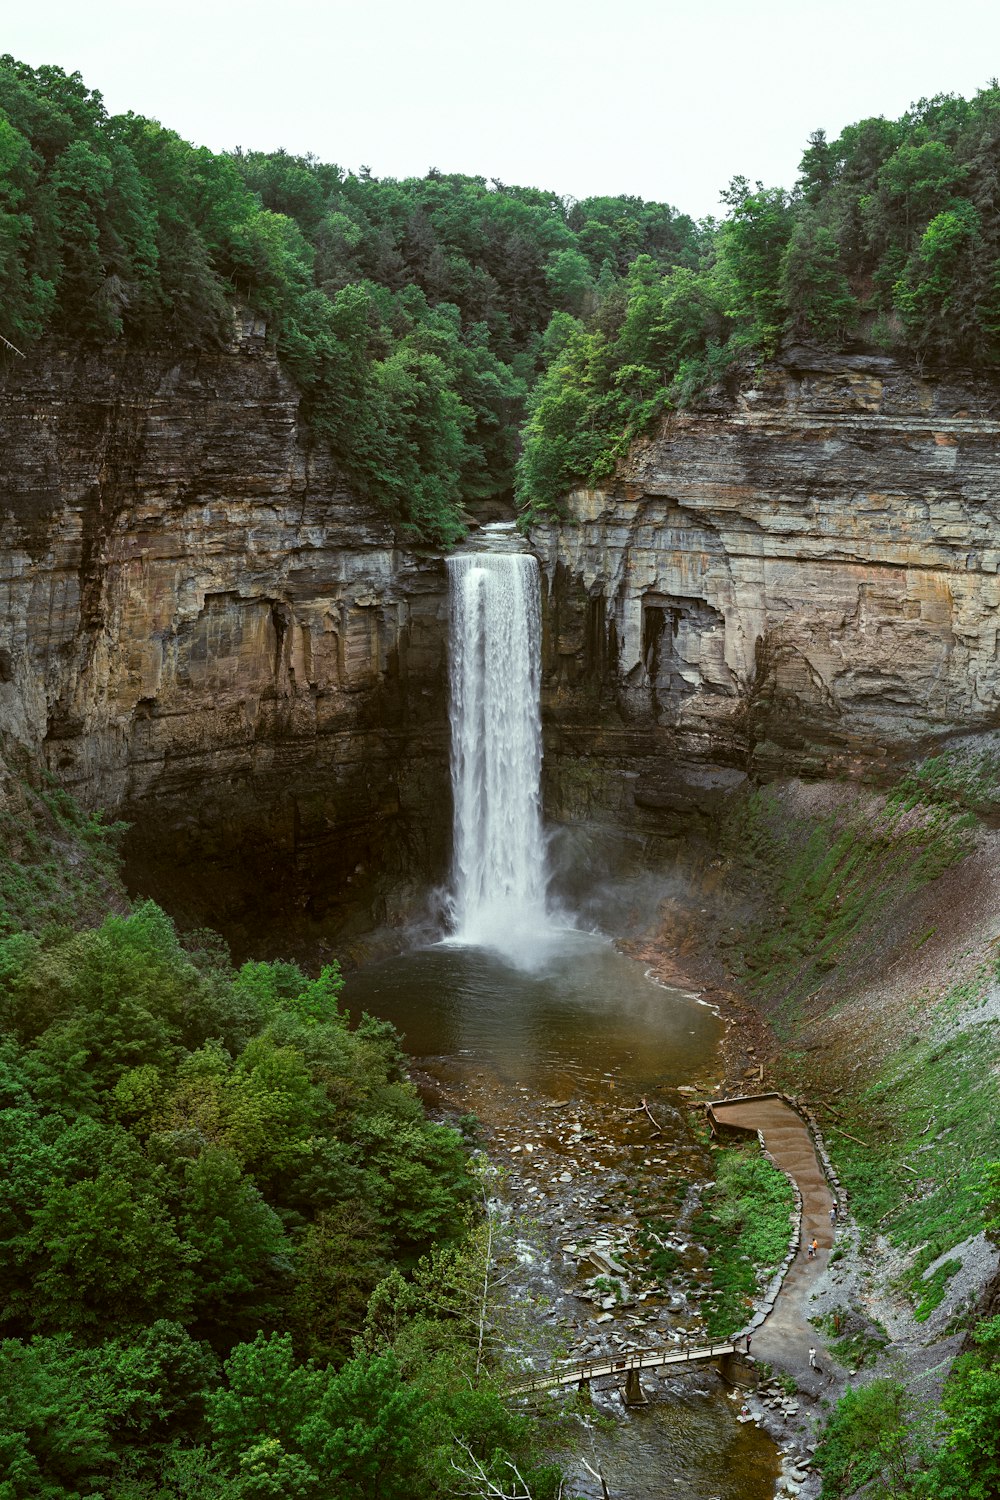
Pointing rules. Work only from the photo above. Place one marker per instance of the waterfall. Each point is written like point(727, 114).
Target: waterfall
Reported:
point(498, 867)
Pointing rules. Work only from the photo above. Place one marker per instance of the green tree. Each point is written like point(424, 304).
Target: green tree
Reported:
point(866, 1442)
point(966, 1463)
point(752, 244)
point(339, 1260)
point(571, 281)
point(239, 1241)
point(936, 294)
point(287, 1428)
point(814, 287)
point(106, 1251)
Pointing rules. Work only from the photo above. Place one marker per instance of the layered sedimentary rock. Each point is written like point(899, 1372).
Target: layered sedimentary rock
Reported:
point(204, 633)
point(799, 577)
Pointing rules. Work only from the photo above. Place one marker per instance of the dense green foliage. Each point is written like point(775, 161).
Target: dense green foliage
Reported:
point(890, 238)
point(206, 1175)
point(419, 317)
point(881, 1437)
point(410, 313)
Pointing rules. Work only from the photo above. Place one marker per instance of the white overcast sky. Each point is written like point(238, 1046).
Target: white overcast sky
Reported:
point(658, 98)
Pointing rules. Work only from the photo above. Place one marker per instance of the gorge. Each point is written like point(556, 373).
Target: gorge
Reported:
point(791, 586)
point(539, 1032)
point(207, 636)
point(554, 636)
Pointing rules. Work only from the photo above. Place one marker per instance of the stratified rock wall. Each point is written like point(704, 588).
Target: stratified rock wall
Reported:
point(204, 633)
point(798, 578)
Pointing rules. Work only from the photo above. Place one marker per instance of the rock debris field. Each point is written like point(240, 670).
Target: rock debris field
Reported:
point(589, 1188)
point(584, 1175)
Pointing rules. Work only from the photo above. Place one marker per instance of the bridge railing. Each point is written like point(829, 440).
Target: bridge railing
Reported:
point(636, 1359)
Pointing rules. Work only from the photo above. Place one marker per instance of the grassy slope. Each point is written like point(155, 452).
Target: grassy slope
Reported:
point(876, 956)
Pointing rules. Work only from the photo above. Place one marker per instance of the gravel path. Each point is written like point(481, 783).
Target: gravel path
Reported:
point(786, 1336)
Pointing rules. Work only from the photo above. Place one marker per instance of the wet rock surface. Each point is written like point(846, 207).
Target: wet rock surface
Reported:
point(581, 1172)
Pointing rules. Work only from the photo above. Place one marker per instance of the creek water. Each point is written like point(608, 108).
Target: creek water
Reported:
point(553, 1060)
point(574, 1063)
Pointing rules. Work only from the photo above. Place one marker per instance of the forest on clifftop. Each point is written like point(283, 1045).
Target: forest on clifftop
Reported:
point(458, 340)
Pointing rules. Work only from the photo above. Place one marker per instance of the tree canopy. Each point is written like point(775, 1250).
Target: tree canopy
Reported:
point(890, 239)
point(411, 313)
point(207, 1174)
point(457, 340)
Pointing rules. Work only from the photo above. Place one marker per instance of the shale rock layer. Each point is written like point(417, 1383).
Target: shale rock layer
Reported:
point(205, 633)
point(800, 577)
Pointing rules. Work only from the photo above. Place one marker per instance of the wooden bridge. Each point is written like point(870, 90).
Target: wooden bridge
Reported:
point(629, 1365)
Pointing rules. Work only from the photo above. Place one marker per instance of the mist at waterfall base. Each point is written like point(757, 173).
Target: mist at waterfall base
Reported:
point(498, 898)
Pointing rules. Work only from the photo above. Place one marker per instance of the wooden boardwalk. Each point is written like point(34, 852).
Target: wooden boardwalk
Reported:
point(788, 1138)
point(639, 1359)
point(785, 1335)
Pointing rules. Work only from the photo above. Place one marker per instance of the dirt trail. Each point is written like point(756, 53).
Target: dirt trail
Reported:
point(786, 1335)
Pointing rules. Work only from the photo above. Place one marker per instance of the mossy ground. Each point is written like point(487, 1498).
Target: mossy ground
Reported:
point(929, 1126)
point(911, 1127)
point(829, 879)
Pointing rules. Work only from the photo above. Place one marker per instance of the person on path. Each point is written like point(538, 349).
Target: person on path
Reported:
point(833, 1213)
point(812, 1360)
point(812, 1249)
point(748, 1343)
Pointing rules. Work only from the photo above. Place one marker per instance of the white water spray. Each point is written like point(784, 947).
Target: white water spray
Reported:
point(499, 870)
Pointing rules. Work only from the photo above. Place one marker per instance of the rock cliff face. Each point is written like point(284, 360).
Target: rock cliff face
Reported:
point(798, 578)
point(205, 634)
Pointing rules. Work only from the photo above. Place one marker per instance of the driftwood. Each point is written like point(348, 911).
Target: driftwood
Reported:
point(642, 1108)
point(858, 1142)
point(598, 1475)
point(483, 1486)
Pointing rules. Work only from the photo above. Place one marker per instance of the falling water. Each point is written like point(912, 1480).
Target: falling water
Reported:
point(498, 869)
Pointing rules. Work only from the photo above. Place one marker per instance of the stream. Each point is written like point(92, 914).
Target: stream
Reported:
point(554, 1059)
